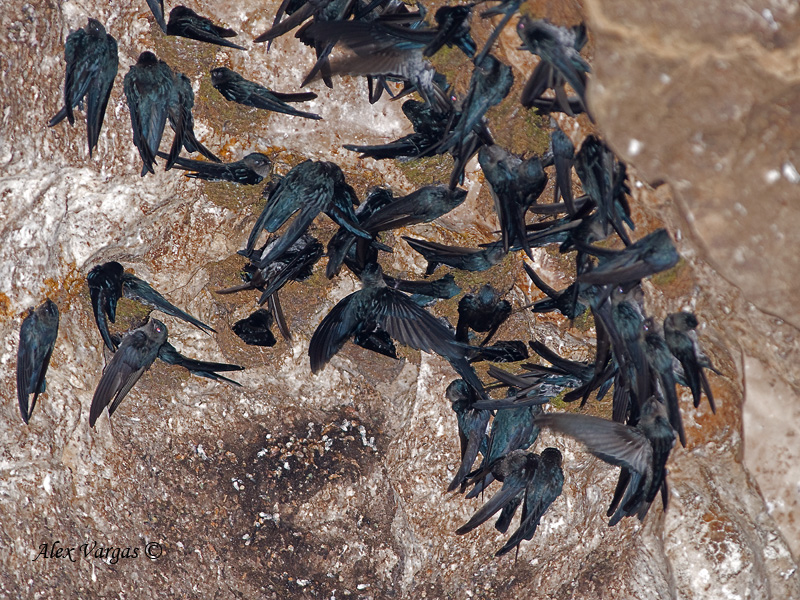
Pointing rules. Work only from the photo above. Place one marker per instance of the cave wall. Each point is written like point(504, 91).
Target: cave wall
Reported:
point(308, 486)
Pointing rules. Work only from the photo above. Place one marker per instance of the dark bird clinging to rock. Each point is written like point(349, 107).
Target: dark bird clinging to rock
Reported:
point(422, 206)
point(681, 338)
point(513, 428)
point(490, 83)
point(135, 355)
point(483, 312)
point(148, 89)
point(604, 179)
point(182, 121)
point(309, 188)
point(466, 259)
point(378, 307)
point(515, 470)
point(559, 49)
point(156, 93)
point(237, 89)
point(105, 288)
point(37, 338)
point(515, 185)
point(382, 49)
point(109, 282)
point(430, 127)
point(255, 329)
point(472, 425)
point(660, 361)
point(563, 160)
point(169, 354)
point(184, 22)
point(542, 490)
point(652, 254)
point(252, 169)
point(92, 65)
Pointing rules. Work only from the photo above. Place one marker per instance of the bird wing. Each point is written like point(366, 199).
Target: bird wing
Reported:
point(331, 334)
point(171, 356)
point(99, 91)
point(157, 8)
point(614, 443)
point(512, 487)
point(148, 118)
point(413, 326)
point(120, 375)
point(203, 169)
point(470, 445)
point(76, 79)
point(33, 356)
point(141, 291)
point(213, 35)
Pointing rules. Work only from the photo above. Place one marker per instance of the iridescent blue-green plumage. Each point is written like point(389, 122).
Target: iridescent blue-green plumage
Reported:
point(109, 282)
point(490, 83)
point(182, 121)
point(563, 160)
point(642, 452)
point(651, 254)
point(515, 470)
point(430, 127)
point(466, 259)
point(382, 49)
point(604, 180)
point(341, 247)
point(421, 206)
point(138, 289)
point(663, 381)
point(512, 429)
point(294, 264)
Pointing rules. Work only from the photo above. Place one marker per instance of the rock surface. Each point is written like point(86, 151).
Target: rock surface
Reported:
point(333, 485)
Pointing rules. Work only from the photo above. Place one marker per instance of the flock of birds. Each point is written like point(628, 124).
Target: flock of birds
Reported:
point(635, 356)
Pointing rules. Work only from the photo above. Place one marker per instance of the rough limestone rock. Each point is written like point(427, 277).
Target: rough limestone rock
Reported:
point(332, 485)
